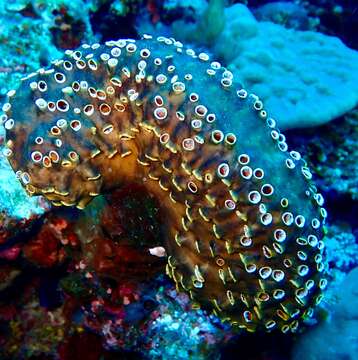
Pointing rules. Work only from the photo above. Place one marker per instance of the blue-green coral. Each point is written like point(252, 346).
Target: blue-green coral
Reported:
point(243, 220)
point(14, 201)
point(336, 337)
point(320, 72)
point(26, 41)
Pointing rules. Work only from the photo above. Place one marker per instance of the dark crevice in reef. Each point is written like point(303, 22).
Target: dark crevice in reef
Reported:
point(111, 26)
point(322, 147)
point(170, 14)
point(344, 23)
point(67, 32)
point(24, 235)
point(47, 284)
point(255, 346)
point(138, 214)
point(341, 207)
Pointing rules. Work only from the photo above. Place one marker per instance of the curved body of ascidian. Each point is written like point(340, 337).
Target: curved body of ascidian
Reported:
point(243, 220)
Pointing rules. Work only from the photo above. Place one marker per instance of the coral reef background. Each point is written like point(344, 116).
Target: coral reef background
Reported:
point(77, 285)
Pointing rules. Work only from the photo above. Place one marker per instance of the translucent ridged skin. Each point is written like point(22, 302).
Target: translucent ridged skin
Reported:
point(243, 221)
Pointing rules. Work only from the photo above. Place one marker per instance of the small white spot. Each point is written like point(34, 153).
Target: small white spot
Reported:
point(41, 103)
point(131, 48)
point(306, 172)
point(39, 140)
point(7, 152)
point(267, 190)
point(246, 172)
point(11, 93)
point(278, 294)
point(271, 123)
point(25, 178)
point(290, 164)
point(160, 113)
point(60, 78)
point(217, 136)
point(116, 52)
point(259, 173)
point(108, 129)
point(188, 144)
point(3, 118)
point(61, 123)
point(226, 82)
point(243, 159)
point(242, 93)
point(104, 57)
point(295, 155)
point(279, 235)
point(62, 105)
point(266, 219)
point(33, 85)
point(36, 156)
point(230, 204)
point(215, 65)
point(323, 284)
point(278, 275)
point(178, 87)
point(254, 197)
point(158, 251)
point(67, 65)
point(302, 270)
point(200, 110)
point(265, 272)
point(145, 53)
point(203, 56)
point(75, 125)
point(287, 218)
point(275, 134)
point(250, 268)
point(161, 79)
point(121, 43)
point(223, 170)
point(6, 107)
point(196, 124)
point(164, 138)
point(312, 240)
point(9, 124)
point(210, 118)
point(76, 55)
point(112, 62)
point(245, 241)
point(84, 85)
point(42, 86)
point(92, 64)
point(142, 65)
point(300, 221)
point(88, 110)
point(315, 223)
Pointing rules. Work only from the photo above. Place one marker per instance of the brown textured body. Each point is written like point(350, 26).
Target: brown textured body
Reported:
point(108, 117)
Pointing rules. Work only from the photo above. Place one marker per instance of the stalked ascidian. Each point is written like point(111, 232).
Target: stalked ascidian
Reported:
point(242, 218)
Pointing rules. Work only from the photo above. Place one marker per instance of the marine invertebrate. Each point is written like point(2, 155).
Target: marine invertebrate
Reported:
point(242, 219)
